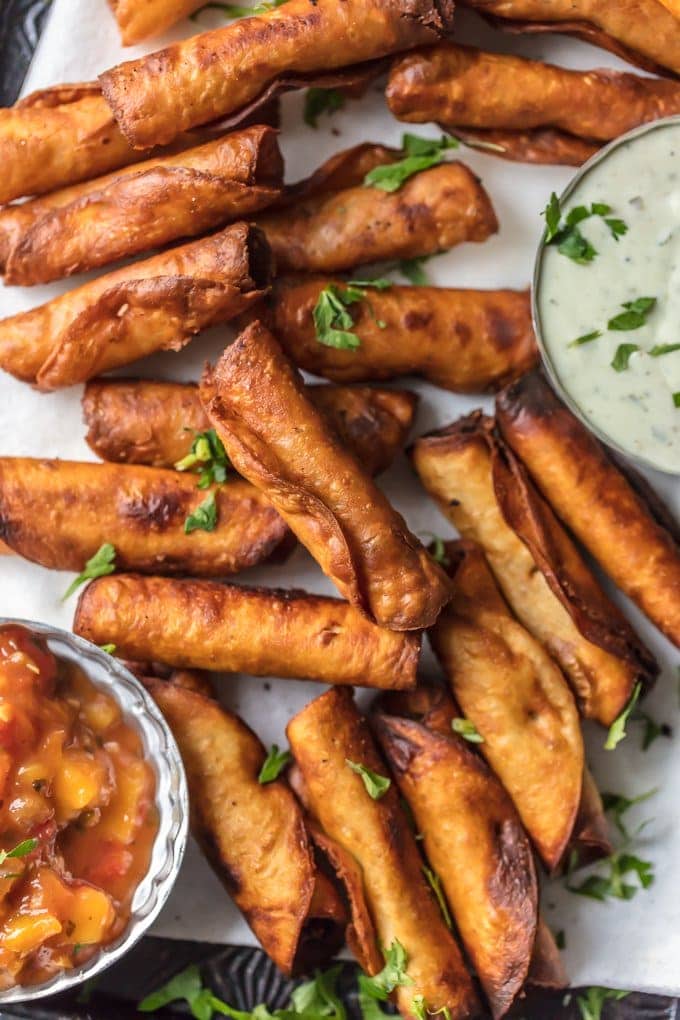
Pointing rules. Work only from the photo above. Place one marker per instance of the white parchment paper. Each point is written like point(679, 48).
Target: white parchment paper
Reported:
point(632, 945)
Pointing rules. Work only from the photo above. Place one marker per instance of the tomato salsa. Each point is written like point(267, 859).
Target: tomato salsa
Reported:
point(77, 813)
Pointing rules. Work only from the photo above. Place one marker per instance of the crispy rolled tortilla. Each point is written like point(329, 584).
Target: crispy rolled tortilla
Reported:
point(631, 537)
point(509, 687)
point(344, 169)
point(432, 211)
point(546, 969)
point(139, 421)
point(475, 843)
point(216, 73)
point(280, 442)
point(324, 737)
point(253, 835)
point(225, 628)
point(155, 305)
point(484, 491)
point(56, 137)
point(58, 513)
point(142, 21)
point(467, 341)
point(529, 111)
point(644, 32)
point(141, 207)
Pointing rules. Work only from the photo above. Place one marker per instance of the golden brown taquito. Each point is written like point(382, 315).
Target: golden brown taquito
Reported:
point(473, 840)
point(673, 6)
point(141, 207)
point(644, 32)
point(508, 686)
point(264, 632)
point(431, 212)
point(468, 341)
point(252, 834)
point(324, 737)
point(277, 439)
point(57, 136)
point(58, 513)
point(483, 489)
point(142, 21)
point(546, 969)
point(630, 536)
point(342, 170)
point(154, 305)
point(528, 110)
point(213, 74)
point(139, 421)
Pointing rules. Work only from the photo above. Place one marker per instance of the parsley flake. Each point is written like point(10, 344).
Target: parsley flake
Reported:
point(467, 730)
point(435, 884)
point(617, 804)
point(103, 562)
point(586, 338)
point(659, 349)
point(239, 10)
point(420, 154)
point(590, 1004)
point(635, 315)
point(393, 975)
point(27, 846)
point(617, 730)
point(204, 517)
point(566, 234)
point(333, 322)
point(273, 765)
point(438, 549)
point(611, 884)
point(376, 785)
point(318, 101)
point(109, 649)
point(676, 399)
point(413, 270)
point(622, 356)
point(208, 457)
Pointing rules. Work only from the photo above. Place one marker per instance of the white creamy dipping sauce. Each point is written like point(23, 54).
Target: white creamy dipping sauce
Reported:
point(638, 405)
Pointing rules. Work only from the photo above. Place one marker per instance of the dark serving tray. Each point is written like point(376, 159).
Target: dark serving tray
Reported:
point(241, 976)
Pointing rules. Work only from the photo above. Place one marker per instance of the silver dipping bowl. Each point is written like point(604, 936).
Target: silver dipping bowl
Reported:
point(171, 800)
point(550, 370)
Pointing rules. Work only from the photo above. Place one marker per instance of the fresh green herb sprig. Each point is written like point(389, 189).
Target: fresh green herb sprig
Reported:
point(393, 975)
point(467, 730)
point(204, 517)
point(622, 355)
point(634, 315)
point(611, 883)
point(422, 1011)
point(233, 11)
point(376, 785)
point(311, 1000)
point(109, 649)
point(617, 804)
point(27, 846)
point(208, 458)
point(437, 549)
point(103, 562)
point(413, 270)
point(321, 101)
point(617, 730)
point(333, 323)
point(419, 154)
point(590, 1005)
point(676, 399)
point(660, 349)
point(273, 765)
point(587, 338)
point(565, 232)
point(435, 883)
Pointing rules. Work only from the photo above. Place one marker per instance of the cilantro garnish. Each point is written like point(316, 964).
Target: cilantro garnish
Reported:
point(592, 1002)
point(208, 457)
point(435, 884)
point(333, 323)
point(103, 562)
point(438, 549)
point(204, 517)
point(586, 338)
point(239, 10)
point(622, 356)
point(565, 232)
point(660, 349)
point(611, 884)
point(467, 730)
point(318, 101)
point(376, 785)
point(676, 399)
point(420, 154)
point(27, 846)
point(413, 270)
point(109, 649)
point(393, 975)
point(617, 804)
point(273, 765)
point(635, 315)
point(617, 730)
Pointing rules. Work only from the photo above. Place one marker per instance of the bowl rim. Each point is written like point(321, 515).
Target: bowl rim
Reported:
point(600, 156)
point(167, 853)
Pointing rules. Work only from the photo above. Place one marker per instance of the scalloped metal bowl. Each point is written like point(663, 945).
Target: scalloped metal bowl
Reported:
point(548, 366)
point(172, 802)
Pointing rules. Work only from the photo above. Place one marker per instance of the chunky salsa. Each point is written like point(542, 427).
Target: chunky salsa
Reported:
point(77, 813)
